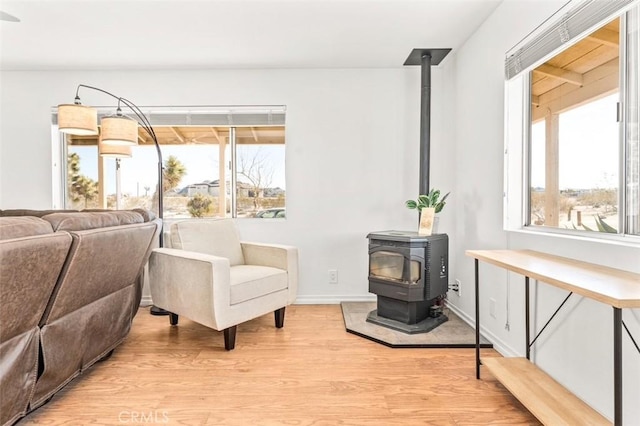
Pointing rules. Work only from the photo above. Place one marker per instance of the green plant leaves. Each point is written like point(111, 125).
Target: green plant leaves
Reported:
point(604, 227)
point(601, 224)
point(428, 200)
point(411, 204)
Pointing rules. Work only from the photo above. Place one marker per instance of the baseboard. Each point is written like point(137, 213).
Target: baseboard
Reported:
point(498, 344)
point(333, 299)
point(305, 300)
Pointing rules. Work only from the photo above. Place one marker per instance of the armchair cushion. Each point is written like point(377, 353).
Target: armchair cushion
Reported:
point(216, 237)
point(249, 282)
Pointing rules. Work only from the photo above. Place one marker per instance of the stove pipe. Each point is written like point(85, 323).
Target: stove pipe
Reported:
point(425, 58)
point(425, 123)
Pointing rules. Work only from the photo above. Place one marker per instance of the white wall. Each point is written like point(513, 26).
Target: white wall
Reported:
point(351, 151)
point(577, 348)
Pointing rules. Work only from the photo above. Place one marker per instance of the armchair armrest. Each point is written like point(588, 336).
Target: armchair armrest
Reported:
point(277, 256)
point(274, 255)
point(182, 282)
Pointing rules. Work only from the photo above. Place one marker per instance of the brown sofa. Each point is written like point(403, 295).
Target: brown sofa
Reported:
point(69, 289)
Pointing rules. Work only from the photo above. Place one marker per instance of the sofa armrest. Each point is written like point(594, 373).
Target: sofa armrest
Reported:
point(277, 256)
point(182, 283)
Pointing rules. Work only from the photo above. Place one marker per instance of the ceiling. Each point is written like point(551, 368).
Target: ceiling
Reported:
point(190, 34)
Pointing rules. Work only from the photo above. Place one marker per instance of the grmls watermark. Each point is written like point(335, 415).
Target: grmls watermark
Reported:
point(136, 417)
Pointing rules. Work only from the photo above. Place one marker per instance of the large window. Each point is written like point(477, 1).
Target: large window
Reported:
point(579, 124)
point(216, 163)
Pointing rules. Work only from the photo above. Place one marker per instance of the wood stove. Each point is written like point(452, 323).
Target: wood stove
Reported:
point(409, 274)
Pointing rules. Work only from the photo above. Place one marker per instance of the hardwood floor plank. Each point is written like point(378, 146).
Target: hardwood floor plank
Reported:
point(309, 373)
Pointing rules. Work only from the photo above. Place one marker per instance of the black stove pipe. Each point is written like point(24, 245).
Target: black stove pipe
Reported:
point(425, 123)
point(425, 58)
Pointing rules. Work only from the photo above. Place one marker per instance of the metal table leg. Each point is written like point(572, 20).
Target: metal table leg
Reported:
point(477, 322)
point(617, 366)
point(526, 313)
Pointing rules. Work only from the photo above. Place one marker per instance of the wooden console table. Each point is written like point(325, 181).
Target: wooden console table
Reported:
point(549, 401)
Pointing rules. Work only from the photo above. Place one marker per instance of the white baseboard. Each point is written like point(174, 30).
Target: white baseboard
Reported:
point(333, 299)
point(498, 344)
point(305, 300)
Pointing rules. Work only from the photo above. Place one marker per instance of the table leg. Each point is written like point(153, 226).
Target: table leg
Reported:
point(477, 321)
point(617, 366)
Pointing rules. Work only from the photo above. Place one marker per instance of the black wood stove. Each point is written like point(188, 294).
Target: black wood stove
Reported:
point(409, 274)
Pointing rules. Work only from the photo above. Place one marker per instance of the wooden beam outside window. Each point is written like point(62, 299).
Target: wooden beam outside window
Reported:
point(560, 74)
point(606, 36)
point(179, 135)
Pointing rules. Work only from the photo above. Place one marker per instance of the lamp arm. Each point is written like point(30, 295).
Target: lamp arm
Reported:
point(144, 121)
point(94, 88)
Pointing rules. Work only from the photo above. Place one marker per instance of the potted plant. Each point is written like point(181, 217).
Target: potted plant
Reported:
point(428, 205)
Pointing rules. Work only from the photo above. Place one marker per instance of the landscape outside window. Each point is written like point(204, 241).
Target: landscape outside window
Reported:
point(588, 171)
point(196, 182)
point(575, 155)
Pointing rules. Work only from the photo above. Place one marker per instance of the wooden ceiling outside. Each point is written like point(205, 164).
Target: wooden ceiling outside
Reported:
point(585, 71)
point(208, 135)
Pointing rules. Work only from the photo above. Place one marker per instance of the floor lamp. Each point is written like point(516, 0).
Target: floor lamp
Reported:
point(118, 131)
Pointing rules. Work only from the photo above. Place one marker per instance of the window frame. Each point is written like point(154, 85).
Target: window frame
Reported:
point(223, 116)
point(517, 148)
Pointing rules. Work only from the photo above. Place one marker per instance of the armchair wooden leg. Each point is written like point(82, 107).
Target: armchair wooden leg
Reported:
point(173, 318)
point(279, 315)
point(230, 338)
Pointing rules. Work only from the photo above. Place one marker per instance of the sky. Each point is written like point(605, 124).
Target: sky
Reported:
point(588, 145)
point(201, 162)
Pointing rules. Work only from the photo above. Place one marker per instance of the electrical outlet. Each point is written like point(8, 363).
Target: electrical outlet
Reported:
point(459, 288)
point(492, 308)
point(333, 276)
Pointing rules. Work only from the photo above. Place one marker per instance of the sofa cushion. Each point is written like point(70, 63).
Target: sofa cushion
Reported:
point(250, 281)
point(217, 237)
point(92, 220)
point(147, 215)
point(23, 226)
point(28, 212)
point(29, 271)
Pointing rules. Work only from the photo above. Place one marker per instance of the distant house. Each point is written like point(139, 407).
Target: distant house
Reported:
point(212, 188)
point(244, 190)
point(273, 192)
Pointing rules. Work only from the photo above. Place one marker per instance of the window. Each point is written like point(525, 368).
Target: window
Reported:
point(577, 109)
point(216, 163)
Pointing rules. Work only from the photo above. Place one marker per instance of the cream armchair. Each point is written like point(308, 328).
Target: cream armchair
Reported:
point(212, 278)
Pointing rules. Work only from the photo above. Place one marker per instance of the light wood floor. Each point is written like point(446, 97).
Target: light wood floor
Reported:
point(311, 372)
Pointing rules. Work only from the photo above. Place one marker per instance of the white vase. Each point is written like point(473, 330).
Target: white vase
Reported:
point(427, 218)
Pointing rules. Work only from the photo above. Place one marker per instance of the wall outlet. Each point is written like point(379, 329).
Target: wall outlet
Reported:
point(333, 276)
point(492, 308)
point(459, 288)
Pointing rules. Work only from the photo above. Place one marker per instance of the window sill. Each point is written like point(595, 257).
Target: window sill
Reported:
point(614, 240)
